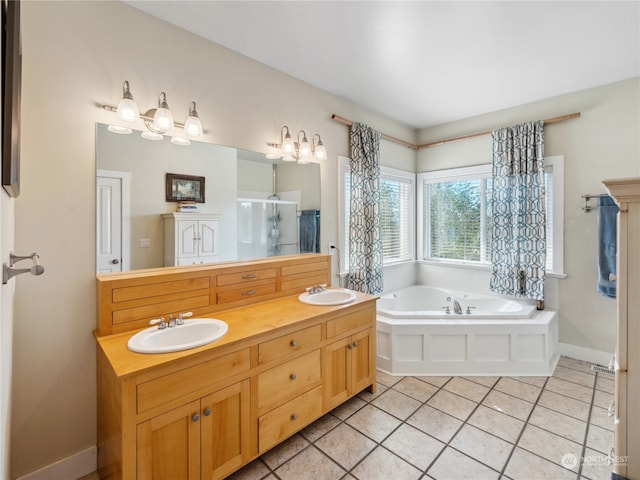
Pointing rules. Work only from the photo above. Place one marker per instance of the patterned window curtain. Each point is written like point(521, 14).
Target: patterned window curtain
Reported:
point(365, 244)
point(518, 249)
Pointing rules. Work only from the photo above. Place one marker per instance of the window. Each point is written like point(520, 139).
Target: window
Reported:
point(397, 200)
point(455, 211)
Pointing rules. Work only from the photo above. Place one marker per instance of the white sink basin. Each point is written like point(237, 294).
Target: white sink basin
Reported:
point(332, 296)
point(192, 334)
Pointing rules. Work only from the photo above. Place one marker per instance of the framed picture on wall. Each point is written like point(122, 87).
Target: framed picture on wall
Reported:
point(11, 76)
point(181, 188)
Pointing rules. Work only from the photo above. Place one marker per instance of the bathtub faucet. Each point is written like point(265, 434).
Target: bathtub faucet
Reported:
point(456, 306)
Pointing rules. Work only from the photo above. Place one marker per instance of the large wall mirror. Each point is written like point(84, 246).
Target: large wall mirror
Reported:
point(263, 207)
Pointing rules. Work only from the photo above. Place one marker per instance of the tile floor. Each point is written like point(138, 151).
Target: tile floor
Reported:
point(518, 428)
point(451, 428)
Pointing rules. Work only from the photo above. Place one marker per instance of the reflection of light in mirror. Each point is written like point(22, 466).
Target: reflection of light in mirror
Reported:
point(180, 141)
point(151, 136)
point(119, 129)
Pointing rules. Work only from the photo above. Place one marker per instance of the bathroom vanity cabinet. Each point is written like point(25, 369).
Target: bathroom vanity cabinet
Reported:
point(206, 412)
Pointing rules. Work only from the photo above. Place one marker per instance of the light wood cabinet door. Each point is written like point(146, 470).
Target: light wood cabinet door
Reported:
point(225, 430)
point(348, 367)
point(336, 373)
point(168, 446)
point(362, 360)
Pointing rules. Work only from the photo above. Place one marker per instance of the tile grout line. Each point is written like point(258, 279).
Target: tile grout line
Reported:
point(524, 426)
point(465, 422)
point(586, 433)
point(402, 422)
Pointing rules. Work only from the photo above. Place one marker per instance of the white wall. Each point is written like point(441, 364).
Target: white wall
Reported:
point(77, 54)
point(603, 143)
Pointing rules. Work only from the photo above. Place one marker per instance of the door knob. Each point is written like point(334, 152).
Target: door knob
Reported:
point(115, 261)
point(207, 412)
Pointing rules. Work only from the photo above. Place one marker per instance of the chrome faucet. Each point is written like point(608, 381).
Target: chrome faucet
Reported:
point(456, 306)
point(317, 288)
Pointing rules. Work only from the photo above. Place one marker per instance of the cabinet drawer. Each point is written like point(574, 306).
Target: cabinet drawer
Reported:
point(346, 323)
point(245, 292)
point(245, 276)
point(287, 419)
point(285, 381)
point(175, 385)
point(284, 345)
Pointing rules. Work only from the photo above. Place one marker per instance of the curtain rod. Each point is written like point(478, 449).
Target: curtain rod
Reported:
point(548, 121)
point(348, 123)
point(561, 118)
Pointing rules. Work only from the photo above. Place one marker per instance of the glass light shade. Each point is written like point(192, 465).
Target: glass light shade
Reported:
point(193, 126)
point(304, 160)
point(305, 148)
point(128, 110)
point(287, 143)
point(151, 135)
point(119, 129)
point(321, 152)
point(162, 120)
point(180, 141)
point(287, 157)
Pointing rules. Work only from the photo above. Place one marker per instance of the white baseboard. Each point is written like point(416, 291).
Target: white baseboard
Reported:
point(584, 354)
point(70, 468)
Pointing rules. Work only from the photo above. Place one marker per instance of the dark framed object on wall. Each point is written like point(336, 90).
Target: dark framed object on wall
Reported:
point(181, 188)
point(11, 80)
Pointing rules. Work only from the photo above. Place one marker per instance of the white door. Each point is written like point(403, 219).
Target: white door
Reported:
point(112, 221)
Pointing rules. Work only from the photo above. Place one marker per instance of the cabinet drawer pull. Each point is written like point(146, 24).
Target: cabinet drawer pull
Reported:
point(248, 292)
point(355, 344)
point(293, 376)
point(195, 417)
point(294, 343)
point(350, 346)
point(294, 417)
point(248, 276)
point(207, 412)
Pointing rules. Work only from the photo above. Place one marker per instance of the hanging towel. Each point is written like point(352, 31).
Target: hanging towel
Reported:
point(607, 222)
point(310, 231)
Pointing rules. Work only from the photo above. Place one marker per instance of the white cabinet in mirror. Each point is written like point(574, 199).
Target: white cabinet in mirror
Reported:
point(258, 201)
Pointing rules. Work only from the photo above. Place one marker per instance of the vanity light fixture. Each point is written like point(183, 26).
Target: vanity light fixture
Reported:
point(158, 121)
point(128, 108)
point(193, 125)
point(300, 151)
point(162, 118)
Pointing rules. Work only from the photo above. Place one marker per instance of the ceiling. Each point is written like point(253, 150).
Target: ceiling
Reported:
point(426, 63)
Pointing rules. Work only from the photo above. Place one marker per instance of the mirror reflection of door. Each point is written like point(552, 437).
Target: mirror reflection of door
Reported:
point(113, 198)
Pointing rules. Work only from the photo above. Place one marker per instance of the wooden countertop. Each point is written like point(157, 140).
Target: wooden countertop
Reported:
point(270, 318)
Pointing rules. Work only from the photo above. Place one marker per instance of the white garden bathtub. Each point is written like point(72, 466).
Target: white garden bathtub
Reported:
point(494, 336)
